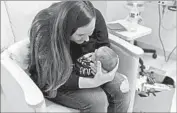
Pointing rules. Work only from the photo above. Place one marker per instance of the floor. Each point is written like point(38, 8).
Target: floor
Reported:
point(169, 67)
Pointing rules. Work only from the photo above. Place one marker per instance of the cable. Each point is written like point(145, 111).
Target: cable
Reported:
point(10, 21)
point(171, 53)
point(159, 32)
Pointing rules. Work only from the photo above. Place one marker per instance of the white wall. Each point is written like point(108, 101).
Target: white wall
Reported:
point(23, 12)
point(116, 10)
point(6, 32)
point(101, 6)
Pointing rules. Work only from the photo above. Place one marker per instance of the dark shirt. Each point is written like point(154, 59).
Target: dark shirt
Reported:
point(97, 39)
point(83, 67)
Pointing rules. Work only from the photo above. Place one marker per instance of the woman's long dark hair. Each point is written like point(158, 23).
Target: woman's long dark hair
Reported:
point(50, 59)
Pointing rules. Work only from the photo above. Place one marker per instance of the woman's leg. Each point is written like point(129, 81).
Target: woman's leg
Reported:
point(85, 100)
point(118, 94)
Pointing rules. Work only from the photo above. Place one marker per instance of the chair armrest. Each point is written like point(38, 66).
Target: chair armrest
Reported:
point(33, 95)
point(131, 49)
point(129, 62)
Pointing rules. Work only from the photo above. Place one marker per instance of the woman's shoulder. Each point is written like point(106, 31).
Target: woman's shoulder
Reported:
point(98, 13)
point(99, 16)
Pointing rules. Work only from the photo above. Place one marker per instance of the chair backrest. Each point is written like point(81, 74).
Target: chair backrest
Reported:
point(14, 79)
point(18, 53)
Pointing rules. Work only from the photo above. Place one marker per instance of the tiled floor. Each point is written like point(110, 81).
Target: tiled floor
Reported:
point(169, 67)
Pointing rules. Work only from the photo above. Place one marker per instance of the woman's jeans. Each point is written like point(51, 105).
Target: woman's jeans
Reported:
point(107, 98)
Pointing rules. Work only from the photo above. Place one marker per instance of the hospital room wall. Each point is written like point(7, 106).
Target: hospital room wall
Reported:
point(6, 32)
point(22, 12)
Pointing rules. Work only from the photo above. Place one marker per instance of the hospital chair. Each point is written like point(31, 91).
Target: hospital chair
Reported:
point(20, 94)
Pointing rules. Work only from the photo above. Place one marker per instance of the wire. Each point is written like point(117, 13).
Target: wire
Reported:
point(171, 53)
point(159, 32)
point(10, 22)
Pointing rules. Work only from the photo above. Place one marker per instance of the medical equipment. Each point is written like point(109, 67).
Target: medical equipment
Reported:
point(134, 17)
point(134, 14)
point(171, 4)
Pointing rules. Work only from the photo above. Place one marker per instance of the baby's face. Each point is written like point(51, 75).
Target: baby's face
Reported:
point(107, 57)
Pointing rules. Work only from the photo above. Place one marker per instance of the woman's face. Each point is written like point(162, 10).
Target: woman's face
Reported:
point(82, 33)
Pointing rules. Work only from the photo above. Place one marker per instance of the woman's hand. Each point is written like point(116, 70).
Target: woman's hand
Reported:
point(101, 76)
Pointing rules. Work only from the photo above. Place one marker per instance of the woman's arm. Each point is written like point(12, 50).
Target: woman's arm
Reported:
point(76, 82)
point(87, 83)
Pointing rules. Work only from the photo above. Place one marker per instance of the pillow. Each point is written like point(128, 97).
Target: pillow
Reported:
point(19, 53)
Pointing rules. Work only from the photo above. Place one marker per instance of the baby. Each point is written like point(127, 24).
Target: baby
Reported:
point(108, 59)
point(105, 55)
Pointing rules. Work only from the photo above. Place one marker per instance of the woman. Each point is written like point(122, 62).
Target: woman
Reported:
point(59, 35)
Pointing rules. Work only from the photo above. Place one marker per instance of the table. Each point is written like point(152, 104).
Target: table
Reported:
point(133, 32)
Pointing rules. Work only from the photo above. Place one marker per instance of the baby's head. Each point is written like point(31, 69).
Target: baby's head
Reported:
point(107, 57)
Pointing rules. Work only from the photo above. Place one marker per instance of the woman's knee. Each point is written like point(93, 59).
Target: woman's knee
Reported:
point(122, 83)
point(120, 94)
point(118, 89)
point(99, 101)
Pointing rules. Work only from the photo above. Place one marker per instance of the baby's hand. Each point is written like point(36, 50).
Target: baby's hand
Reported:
point(88, 55)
